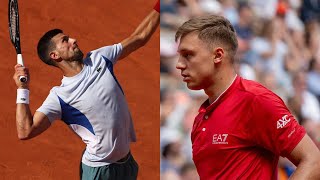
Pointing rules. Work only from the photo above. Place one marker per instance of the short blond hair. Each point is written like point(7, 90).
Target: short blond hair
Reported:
point(212, 29)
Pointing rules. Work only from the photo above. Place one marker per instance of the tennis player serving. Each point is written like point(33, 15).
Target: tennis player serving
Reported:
point(90, 100)
point(243, 128)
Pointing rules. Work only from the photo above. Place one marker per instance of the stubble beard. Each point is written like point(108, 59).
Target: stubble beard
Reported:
point(78, 55)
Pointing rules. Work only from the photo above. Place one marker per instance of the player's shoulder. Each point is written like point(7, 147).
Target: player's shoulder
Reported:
point(109, 53)
point(53, 93)
point(105, 49)
point(256, 89)
point(54, 90)
point(260, 93)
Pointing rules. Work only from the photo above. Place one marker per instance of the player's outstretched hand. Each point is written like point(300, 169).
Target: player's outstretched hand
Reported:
point(21, 71)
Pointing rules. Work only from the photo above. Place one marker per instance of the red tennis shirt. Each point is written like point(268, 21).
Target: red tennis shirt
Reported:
point(242, 134)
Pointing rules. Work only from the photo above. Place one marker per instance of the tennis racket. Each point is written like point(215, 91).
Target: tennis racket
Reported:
point(13, 14)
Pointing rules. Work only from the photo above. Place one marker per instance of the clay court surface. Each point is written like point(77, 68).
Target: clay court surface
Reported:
point(56, 153)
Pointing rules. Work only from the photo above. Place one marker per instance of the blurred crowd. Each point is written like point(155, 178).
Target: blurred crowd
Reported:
point(279, 46)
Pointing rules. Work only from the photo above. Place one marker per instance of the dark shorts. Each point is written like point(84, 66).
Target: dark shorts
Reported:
point(124, 169)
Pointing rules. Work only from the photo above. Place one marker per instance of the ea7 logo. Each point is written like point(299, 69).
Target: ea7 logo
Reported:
point(220, 139)
point(283, 122)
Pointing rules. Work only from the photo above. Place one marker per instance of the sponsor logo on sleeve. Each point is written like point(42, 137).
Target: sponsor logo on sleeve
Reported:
point(281, 123)
point(291, 132)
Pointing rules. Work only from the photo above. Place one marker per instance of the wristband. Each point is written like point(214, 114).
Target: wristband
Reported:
point(23, 96)
point(157, 6)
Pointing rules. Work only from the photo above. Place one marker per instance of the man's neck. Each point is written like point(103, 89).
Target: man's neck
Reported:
point(221, 84)
point(71, 68)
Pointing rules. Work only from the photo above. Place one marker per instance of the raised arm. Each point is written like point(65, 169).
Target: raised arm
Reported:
point(306, 157)
point(142, 33)
point(28, 126)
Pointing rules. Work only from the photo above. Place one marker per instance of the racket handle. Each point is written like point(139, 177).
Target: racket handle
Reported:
point(20, 61)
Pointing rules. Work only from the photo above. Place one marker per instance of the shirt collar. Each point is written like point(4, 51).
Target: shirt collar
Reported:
point(206, 106)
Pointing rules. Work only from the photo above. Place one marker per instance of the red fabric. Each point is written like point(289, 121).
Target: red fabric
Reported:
point(243, 133)
point(157, 6)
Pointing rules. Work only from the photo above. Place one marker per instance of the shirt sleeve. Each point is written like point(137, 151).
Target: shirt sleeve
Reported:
point(112, 53)
point(273, 126)
point(51, 107)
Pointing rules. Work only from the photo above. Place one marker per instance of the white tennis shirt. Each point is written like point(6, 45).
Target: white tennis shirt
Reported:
point(93, 104)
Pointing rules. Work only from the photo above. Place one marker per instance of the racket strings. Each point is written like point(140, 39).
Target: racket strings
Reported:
point(13, 23)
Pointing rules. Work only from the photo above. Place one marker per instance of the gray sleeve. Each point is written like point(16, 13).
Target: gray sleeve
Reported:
point(112, 52)
point(51, 107)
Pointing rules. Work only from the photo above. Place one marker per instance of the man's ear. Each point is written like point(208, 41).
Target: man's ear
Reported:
point(218, 54)
point(54, 55)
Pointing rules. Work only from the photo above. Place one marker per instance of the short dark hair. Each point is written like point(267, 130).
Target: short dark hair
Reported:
point(212, 29)
point(45, 45)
